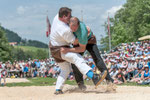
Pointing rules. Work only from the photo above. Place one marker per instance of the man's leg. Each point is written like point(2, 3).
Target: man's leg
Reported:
point(78, 77)
point(4, 77)
point(135, 72)
point(65, 70)
point(0, 80)
point(79, 61)
point(93, 50)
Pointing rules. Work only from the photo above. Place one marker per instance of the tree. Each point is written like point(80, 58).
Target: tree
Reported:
point(11, 36)
point(4, 47)
point(18, 54)
point(130, 22)
point(41, 54)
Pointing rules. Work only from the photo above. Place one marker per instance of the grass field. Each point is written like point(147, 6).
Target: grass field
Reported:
point(39, 81)
point(30, 48)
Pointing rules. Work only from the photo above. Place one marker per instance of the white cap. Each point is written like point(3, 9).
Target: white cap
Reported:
point(129, 58)
point(145, 58)
point(115, 61)
point(146, 66)
point(141, 57)
point(138, 48)
point(112, 60)
point(90, 59)
point(133, 58)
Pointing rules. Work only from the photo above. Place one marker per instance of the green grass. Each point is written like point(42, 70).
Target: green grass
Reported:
point(30, 48)
point(39, 81)
point(133, 84)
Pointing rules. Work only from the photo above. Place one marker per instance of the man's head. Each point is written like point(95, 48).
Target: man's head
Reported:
point(146, 68)
point(74, 24)
point(65, 14)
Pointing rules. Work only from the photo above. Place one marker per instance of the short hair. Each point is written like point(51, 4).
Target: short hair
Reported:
point(64, 11)
point(74, 21)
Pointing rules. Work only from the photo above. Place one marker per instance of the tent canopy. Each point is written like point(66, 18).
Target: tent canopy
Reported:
point(144, 37)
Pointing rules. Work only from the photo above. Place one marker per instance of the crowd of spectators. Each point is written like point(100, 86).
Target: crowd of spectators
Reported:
point(130, 62)
point(29, 68)
point(126, 63)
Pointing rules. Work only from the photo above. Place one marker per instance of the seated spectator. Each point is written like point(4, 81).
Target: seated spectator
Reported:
point(35, 73)
point(125, 73)
point(145, 76)
point(91, 64)
point(56, 71)
point(146, 52)
point(124, 62)
point(134, 64)
point(149, 62)
point(71, 76)
point(130, 70)
point(4, 73)
point(46, 73)
point(25, 71)
point(139, 63)
point(146, 73)
point(114, 72)
point(118, 63)
point(113, 65)
point(119, 79)
point(145, 61)
point(137, 77)
point(38, 63)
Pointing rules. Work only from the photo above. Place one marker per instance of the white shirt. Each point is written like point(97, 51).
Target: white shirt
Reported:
point(134, 65)
point(0, 72)
point(113, 74)
point(61, 33)
point(43, 64)
point(3, 66)
point(21, 65)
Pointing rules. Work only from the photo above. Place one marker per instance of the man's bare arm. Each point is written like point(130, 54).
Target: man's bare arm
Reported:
point(79, 49)
point(76, 42)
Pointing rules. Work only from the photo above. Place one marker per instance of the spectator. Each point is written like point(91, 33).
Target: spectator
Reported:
point(137, 77)
point(145, 76)
point(25, 71)
point(120, 78)
point(114, 72)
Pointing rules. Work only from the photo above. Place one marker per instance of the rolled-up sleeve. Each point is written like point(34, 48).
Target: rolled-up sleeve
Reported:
point(68, 36)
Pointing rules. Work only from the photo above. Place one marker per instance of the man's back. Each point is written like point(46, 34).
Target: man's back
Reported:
point(60, 33)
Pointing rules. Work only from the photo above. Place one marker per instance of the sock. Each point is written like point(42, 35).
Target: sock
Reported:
point(58, 89)
point(90, 74)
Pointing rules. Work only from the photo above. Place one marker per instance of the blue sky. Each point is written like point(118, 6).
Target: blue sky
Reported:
point(28, 17)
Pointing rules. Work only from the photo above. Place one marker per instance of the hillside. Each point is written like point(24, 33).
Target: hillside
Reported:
point(26, 52)
point(11, 36)
point(14, 37)
point(30, 48)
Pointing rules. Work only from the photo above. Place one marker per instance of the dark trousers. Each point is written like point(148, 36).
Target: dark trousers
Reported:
point(93, 50)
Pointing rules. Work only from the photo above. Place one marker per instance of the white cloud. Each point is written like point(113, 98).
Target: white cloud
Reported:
point(29, 22)
point(111, 11)
point(21, 10)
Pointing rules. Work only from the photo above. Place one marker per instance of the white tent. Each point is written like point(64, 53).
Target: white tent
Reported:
point(144, 37)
